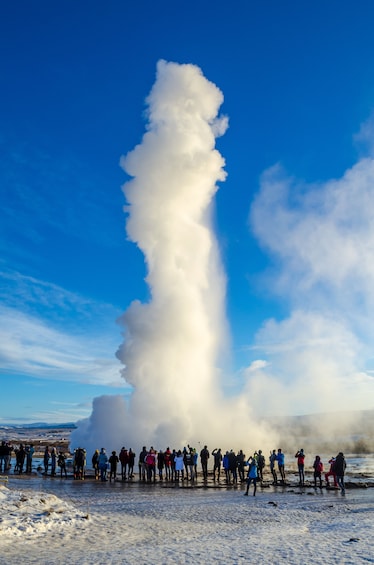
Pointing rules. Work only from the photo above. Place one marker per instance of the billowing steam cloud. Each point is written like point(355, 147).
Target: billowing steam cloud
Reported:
point(174, 344)
point(323, 238)
point(320, 357)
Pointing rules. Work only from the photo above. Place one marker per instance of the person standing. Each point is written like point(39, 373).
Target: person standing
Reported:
point(339, 468)
point(217, 454)
point(131, 463)
point(160, 464)
point(179, 466)
point(103, 464)
point(300, 465)
point(95, 463)
point(113, 461)
point(141, 463)
point(233, 467)
point(225, 465)
point(318, 468)
point(20, 458)
point(188, 462)
point(240, 457)
point(29, 454)
point(204, 456)
point(2, 457)
point(167, 458)
point(280, 459)
point(272, 459)
point(61, 462)
point(331, 473)
point(252, 475)
point(260, 465)
point(124, 459)
point(79, 463)
point(195, 457)
point(8, 456)
point(150, 462)
point(53, 462)
point(172, 460)
point(46, 459)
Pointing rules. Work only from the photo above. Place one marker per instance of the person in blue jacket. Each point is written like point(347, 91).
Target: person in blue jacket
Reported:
point(103, 464)
point(280, 459)
point(252, 475)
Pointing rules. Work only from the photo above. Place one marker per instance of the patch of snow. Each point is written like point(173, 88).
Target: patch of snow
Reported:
point(147, 524)
point(26, 514)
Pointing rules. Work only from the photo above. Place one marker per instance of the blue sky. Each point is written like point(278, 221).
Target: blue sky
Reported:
point(298, 86)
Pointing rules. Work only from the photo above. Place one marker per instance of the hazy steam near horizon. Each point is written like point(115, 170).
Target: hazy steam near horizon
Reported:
point(175, 344)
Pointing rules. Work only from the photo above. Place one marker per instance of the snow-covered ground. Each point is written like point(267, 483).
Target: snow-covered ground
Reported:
point(26, 514)
point(49, 521)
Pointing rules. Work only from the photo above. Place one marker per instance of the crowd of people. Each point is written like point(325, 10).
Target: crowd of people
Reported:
point(336, 470)
point(176, 465)
point(23, 454)
point(24, 459)
point(182, 465)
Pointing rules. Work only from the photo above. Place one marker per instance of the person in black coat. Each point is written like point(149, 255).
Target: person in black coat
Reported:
point(339, 469)
point(204, 456)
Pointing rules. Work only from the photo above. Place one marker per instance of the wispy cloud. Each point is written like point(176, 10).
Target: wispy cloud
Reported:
point(28, 346)
point(49, 415)
point(48, 332)
point(17, 287)
point(30, 295)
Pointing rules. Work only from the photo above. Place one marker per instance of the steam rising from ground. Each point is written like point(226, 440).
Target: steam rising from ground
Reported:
point(174, 344)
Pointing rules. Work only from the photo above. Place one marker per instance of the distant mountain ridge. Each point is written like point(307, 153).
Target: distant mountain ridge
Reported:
point(39, 425)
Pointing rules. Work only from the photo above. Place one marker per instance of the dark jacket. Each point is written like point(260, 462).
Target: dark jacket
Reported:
point(340, 465)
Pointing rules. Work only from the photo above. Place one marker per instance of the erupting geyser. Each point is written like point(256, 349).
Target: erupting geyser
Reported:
point(173, 344)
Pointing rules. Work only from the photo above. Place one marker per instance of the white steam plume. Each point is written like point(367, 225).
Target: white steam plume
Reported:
point(319, 358)
point(173, 344)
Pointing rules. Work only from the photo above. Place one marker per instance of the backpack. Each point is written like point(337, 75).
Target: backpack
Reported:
point(319, 467)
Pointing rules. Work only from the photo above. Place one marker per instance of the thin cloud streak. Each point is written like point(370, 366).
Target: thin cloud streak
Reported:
point(30, 294)
point(49, 332)
point(29, 346)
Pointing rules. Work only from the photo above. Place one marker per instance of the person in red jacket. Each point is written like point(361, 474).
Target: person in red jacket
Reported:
point(300, 465)
point(150, 462)
point(318, 468)
point(124, 459)
point(167, 458)
point(331, 473)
